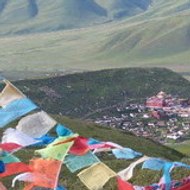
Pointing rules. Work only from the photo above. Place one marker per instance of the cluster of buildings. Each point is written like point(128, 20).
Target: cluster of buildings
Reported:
point(163, 118)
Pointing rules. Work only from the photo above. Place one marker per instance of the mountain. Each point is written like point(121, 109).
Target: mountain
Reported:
point(31, 16)
point(132, 33)
point(26, 16)
point(123, 8)
point(83, 94)
point(148, 147)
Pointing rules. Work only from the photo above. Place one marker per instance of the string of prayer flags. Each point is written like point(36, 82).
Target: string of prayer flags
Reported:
point(75, 163)
point(96, 176)
point(36, 124)
point(11, 135)
point(9, 94)
point(15, 109)
point(68, 148)
point(126, 153)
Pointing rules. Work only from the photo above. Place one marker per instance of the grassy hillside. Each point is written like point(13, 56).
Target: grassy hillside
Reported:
point(30, 16)
point(146, 146)
point(161, 42)
point(157, 36)
point(182, 147)
point(82, 94)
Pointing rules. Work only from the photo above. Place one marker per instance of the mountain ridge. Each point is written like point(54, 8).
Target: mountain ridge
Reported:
point(33, 16)
point(40, 16)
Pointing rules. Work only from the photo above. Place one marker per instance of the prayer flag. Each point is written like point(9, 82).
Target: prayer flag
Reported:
point(96, 176)
point(36, 125)
point(9, 94)
point(14, 168)
point(15, 109)
point(14, 136)
point(75, 163)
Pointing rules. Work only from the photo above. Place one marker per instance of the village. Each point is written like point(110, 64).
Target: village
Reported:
point(163, 118)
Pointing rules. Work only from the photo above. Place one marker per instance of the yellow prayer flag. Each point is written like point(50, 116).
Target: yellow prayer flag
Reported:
point(96, 176)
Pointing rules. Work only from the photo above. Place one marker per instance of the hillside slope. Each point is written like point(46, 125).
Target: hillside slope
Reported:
point(31, 16)
point(148, 147)
point(161, 42)
point(80, 94)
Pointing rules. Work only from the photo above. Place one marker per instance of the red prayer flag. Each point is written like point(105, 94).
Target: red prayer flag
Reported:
point(123, 185)
point(99, 146)
point(15, 168)
point(184, 187)
point(80, 146)
point(10, 147)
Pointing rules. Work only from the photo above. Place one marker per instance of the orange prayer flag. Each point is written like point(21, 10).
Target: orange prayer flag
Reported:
point(45, 172)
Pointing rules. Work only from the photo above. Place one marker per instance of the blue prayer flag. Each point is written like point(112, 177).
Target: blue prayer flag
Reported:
point(15, 109)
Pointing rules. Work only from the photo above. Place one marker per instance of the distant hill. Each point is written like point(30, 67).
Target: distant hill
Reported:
point(79, 95)
point(31, 16)
point(27, 16)
point(101, 34)
point(148, 147)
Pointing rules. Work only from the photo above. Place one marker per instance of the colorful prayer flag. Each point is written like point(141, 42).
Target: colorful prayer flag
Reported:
point(96, 176)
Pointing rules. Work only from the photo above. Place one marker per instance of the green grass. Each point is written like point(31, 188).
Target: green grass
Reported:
point(148, 147)
point(182, 147)
point(80, 95)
